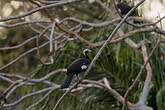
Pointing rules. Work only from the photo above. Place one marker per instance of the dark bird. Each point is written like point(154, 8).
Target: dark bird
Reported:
point(76, 67)
point(124, 8)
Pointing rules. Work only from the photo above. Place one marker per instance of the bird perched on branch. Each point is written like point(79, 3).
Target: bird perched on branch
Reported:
point(125, 8)
point(76, 67)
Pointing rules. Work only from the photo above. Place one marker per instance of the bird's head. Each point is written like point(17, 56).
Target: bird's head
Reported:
point(85, 52)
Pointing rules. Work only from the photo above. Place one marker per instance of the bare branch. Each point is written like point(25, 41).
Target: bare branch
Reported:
point(38, 9)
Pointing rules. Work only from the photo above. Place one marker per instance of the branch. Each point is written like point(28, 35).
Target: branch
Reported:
point(29, 95)
point(38, 9)
point(140, 72)
point(147, 82)
point(115, 94)
point(22, 24)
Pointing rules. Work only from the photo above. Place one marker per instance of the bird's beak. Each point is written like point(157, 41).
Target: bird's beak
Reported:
point(89, 50)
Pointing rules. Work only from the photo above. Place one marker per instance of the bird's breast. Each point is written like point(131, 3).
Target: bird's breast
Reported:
point(78, 66)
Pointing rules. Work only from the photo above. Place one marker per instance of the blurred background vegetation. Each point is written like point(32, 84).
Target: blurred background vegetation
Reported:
point(119, 62)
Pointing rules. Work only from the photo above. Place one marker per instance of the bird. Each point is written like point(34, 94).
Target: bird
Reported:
point(77, 66)
point(124, 9)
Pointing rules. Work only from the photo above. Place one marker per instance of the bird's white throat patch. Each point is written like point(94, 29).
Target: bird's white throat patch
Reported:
point(83, 67)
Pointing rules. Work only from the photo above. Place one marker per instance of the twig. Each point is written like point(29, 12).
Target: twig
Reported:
point(51, 44)
point(39, 101)
point(147, 82)
point(22, 55)
point(45, 103)
point(98, 25)
point(115, 94)
point(37, 42)
point(22, 24)
point(20, 45)
point(38, 9)
point(28, 95)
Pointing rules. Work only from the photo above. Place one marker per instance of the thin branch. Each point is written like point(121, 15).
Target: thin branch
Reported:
point(42, 99)
point(115, 94)
point(147, 82)
point(38, 9)
point(98, 25)
point(22, 24)
point(28, 95)
point(51, 43)
point(19, 45)
point(22, 55)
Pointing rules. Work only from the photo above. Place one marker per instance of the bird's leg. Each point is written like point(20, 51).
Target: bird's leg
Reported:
point(77, 77)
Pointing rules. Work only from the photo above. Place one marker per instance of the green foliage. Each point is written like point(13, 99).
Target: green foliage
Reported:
point(161, 98)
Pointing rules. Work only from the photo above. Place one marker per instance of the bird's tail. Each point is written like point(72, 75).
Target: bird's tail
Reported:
point(67, 81)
